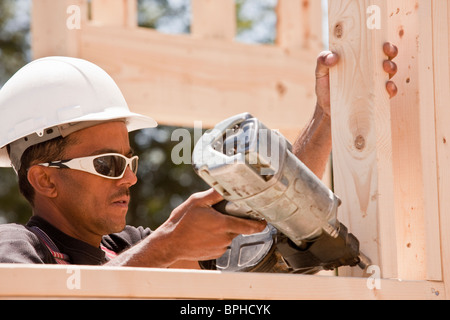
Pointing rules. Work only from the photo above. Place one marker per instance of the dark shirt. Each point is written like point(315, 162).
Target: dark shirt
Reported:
point(18, 244)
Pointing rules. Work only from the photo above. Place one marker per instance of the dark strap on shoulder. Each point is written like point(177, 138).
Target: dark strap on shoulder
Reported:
point(60, 258)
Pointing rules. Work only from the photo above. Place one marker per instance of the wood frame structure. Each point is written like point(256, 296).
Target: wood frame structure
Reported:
point(83, 282)
point(178, 78)
point(391, 157)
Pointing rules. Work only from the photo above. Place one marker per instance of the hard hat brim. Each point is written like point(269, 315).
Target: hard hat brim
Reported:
point(133, 122)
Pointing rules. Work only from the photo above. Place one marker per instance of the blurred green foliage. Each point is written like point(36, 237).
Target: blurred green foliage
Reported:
point(162, 185)
point(14, 53)
point(14, 35)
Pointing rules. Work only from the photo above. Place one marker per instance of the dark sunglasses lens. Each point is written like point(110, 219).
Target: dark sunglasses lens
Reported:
point(110, 166)
point(134, 165)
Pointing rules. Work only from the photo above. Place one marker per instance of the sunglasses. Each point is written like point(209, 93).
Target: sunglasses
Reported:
point(110, 165)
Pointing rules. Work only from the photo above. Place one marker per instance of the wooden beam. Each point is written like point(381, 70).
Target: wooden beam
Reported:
point(114, 12)
point(131, 14)
point(441, 66)
point(299, 24)
point(84, 282)
point(57, 33)
point(290, 27)
point(315, 20)
point(416, 240)
point(361, 128)
point(179, 79)
point(414, 146)
point(214, 19)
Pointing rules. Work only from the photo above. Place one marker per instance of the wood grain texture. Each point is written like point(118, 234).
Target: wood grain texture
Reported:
point(84, 282)
point(179, 79)
point(50, 35)
point(204, 76)
point(414, 146)
point(214, 19)
point(298, 26)
point(361, 126)
point(441, 61)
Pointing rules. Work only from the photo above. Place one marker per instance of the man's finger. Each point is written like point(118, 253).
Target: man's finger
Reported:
point(208, 198)
point(211, 197)
point(325, 61)
point(238, 226)
point(390, 67)
point(390, 50)
point(391, 89)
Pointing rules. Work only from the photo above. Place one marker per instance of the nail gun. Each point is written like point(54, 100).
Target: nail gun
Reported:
point(254, 169)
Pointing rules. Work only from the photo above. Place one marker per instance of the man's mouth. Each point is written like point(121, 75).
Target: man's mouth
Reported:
point(121, 202)
point(122, 198)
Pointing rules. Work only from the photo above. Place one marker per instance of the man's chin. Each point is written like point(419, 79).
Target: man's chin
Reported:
point(116, 222)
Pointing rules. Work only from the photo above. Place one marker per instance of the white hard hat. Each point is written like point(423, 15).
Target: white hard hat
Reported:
point(56, 96)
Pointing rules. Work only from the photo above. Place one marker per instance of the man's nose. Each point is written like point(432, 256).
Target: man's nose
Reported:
point(129, 178)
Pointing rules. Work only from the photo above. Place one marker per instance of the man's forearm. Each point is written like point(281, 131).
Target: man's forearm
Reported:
point(152, 252)
point(313, 146)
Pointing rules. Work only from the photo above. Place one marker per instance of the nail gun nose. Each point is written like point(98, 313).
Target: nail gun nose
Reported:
point(364, 261)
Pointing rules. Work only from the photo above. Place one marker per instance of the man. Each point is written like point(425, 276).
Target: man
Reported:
point(67, 139)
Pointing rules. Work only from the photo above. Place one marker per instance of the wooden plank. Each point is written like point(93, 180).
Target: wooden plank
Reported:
point(414, 147)
point(114, 12)
point(214, 19)
point(441, 57)
point(179, 79)
point(428, 142)
point(131, 17)
point(183, 77)
point(316, 27)
point(291, 31)
point(139, 283)
point(361, 128)
point(299, 24)
point(57, 33)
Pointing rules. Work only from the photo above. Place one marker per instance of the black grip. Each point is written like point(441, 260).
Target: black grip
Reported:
point(221, 207)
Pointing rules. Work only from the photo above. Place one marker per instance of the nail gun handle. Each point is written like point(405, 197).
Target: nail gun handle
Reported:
point(234, 210)
point(221, 207)
point(238, 258)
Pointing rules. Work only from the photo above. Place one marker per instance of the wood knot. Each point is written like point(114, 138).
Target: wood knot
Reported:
point(281, 89)
point(360, 143)
point(339, 30)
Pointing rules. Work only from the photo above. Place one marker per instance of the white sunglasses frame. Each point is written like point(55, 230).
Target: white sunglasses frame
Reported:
point(86, 164)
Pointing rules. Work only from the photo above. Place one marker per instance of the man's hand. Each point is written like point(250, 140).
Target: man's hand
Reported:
point(328, 59)
point(313, 146)
point(194, 232)
point(390, 67)
point(197, 232)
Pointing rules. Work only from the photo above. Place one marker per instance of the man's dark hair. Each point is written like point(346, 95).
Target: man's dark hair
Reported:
point(52, 150)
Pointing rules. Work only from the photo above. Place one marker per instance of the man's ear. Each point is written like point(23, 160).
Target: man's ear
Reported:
point(42, 181)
